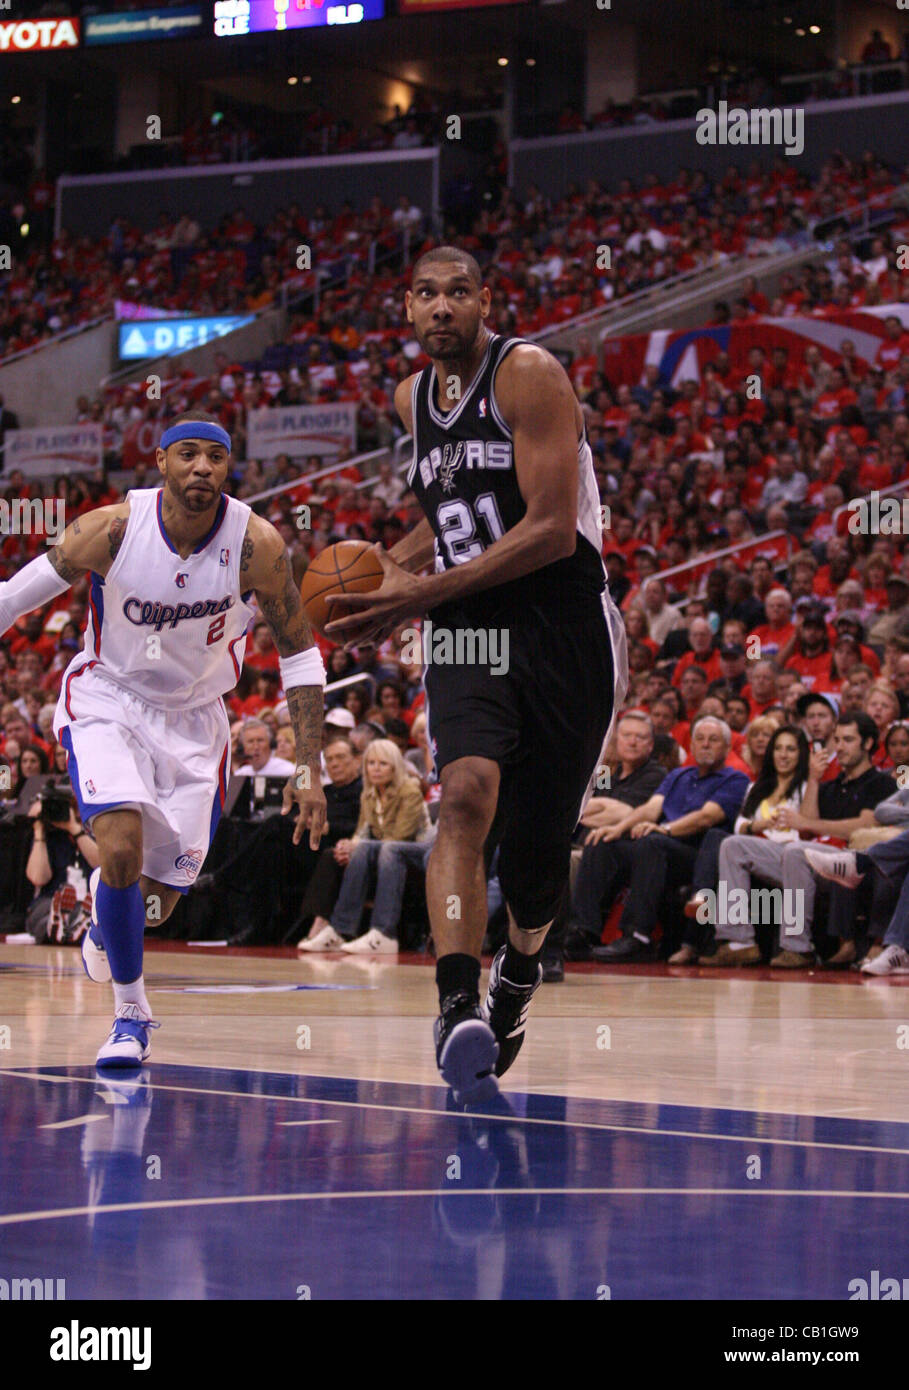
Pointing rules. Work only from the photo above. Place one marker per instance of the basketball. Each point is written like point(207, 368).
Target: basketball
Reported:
point(349, 567)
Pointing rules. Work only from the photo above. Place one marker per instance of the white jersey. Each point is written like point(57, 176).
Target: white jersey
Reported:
point(169, 630)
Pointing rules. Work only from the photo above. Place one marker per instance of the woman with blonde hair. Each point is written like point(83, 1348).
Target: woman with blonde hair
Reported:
point(393, 814)
point(883, 704)
point(757, 736)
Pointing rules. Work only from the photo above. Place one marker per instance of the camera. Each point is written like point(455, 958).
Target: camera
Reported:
point(56, 804)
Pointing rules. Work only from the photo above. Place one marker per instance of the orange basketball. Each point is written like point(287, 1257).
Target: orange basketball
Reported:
point(350, 567)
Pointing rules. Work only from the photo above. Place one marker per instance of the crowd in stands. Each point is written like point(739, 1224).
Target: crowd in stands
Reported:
point(783, 667)
point(232, 137)
point(543, 255)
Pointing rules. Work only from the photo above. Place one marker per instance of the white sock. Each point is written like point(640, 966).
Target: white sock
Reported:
point(738, 945)
point(132, 994)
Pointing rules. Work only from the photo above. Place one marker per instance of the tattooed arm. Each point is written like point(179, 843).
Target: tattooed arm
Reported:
point(90, 542)
point(266, 568)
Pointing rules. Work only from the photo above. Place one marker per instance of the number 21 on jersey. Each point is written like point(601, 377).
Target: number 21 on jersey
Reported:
point(458, 529)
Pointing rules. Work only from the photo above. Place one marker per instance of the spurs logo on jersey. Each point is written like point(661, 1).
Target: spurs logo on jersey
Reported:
point(443, 463)
point(173, 654)
point(464, 476)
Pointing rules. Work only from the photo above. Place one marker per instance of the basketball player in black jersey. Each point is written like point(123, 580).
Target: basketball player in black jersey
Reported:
point(518, 712)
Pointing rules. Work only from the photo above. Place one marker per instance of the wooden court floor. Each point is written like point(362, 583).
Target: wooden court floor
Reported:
point(665, 1133)
point(821, 1044)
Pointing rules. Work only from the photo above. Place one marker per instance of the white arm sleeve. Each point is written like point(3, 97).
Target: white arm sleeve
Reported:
point(35, 584)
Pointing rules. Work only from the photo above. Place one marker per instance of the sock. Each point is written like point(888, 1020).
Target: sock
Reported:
point(863, 863)
point(520, 969)
point(132, 994)
point(121, 916)
point(456, 972)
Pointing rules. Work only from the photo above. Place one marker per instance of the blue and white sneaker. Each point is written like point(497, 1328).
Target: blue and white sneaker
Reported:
point(466, 1048)
point(127, 1045)
point(94, 956)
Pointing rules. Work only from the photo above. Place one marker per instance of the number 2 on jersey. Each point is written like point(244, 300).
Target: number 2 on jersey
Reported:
point(458, 526)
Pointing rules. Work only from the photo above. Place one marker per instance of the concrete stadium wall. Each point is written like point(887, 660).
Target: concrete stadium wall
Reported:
point(853, 125)
point(43, 387)
point(88, 204)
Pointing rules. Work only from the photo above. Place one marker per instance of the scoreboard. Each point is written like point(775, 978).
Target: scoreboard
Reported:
point(270, 16)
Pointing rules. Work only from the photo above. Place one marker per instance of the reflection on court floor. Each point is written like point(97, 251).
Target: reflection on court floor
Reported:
point(187, 1182)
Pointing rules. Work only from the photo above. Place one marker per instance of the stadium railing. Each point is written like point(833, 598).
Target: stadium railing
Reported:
point(368, 462)
point(892, 76)
point(374, 457)
point(713, 559)
point(665, 303)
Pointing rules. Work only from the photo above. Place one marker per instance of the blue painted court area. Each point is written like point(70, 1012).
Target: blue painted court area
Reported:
point(196, 1183)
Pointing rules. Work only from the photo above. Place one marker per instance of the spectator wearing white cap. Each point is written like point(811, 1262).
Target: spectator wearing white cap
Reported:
point(338, 718)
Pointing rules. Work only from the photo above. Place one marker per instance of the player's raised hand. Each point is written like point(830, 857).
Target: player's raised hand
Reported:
point(305, 788)
point(398, 597)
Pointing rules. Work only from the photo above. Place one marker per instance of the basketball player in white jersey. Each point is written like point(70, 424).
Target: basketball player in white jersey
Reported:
point(141, 712)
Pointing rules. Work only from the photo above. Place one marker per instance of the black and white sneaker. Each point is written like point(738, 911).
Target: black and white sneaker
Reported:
point(506, 1009)
point(466, 1047)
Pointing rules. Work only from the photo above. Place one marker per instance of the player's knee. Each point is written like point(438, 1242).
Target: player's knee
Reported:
point(469, 793)
point(533, 883)
point(120, 865)
point(533, 909)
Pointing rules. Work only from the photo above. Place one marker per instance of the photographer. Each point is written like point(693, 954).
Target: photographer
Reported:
point(60, 843)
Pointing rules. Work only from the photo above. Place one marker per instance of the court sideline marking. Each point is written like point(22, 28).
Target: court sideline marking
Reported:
point(246, 1200)
point(480, 1115)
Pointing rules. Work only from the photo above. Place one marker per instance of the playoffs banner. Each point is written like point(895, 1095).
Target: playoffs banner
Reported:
point(301, 430)
point(43, 453)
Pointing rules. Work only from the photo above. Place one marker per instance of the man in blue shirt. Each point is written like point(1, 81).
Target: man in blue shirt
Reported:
point(654, 847)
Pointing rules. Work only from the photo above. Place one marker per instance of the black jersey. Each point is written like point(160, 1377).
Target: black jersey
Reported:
point(464, 476)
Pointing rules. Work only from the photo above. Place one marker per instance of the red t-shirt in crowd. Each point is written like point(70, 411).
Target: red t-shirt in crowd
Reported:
point(710, 664)
point(814, 671)
point(772, 638)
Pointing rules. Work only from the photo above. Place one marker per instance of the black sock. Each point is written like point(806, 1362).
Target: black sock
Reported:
point(863, 862)
point(520, 969)
point(456, 972)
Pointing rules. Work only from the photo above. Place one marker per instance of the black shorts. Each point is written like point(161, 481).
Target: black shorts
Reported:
point(544, 720)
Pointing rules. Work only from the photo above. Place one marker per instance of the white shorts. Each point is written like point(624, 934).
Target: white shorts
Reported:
point(171, 766)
